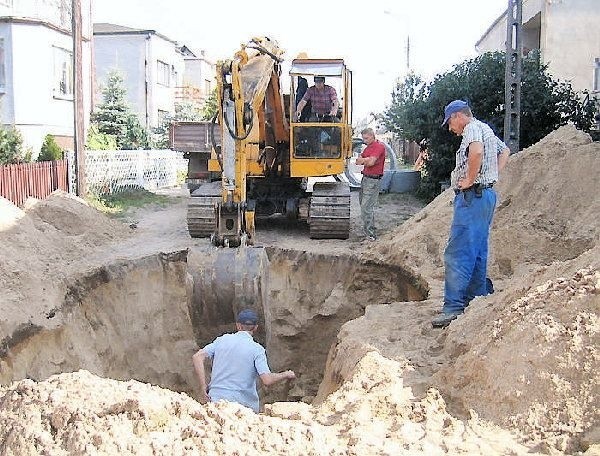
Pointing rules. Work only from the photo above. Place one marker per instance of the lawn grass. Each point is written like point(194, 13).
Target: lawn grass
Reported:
point(118, 204)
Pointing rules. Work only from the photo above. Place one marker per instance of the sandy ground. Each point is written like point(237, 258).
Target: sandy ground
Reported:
point(517, 374)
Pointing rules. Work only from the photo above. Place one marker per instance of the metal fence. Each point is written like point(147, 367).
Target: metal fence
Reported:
point(110, 171)
point(21, 181)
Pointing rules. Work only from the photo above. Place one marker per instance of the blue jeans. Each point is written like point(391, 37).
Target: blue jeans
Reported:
point(465, 257)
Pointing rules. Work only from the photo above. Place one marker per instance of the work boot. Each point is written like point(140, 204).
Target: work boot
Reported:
point(443, 320)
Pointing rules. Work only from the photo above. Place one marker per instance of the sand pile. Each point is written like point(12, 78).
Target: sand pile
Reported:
point(80, 413)
point(516, 374)
point(526, 357)
point(43, 244)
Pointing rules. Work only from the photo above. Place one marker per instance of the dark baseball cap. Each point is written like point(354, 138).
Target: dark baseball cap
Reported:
point(319, 78)
point(452, 107)
point(247, 317)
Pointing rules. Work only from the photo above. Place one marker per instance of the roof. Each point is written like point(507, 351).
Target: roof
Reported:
point(105, 28)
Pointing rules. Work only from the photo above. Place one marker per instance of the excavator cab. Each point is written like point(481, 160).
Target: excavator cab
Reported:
point(320, 142)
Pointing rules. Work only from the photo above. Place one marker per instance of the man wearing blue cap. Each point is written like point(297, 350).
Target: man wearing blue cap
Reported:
point(479, 159)
point(237, 362)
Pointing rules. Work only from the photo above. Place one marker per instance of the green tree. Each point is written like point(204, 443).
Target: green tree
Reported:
point(416, 110)
point(210, 107)
point(11, 146)
point(50, 150)
point(114, 117)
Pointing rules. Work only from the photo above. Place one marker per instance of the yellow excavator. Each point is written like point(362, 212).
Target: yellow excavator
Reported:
point(263, 155)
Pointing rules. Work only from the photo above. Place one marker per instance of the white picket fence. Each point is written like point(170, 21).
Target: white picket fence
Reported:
point(110, 171)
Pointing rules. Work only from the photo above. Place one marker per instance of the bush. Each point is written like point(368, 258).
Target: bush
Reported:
point(50, 150)
point(417, 108)
point(100, 141)
point(11, 146)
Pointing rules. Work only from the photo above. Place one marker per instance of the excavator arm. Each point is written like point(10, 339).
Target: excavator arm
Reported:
point(251, 114)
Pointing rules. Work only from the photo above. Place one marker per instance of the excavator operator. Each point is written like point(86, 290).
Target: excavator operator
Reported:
point(323, 99)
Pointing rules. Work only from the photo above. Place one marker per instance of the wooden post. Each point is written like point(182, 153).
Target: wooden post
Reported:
point(78, 109)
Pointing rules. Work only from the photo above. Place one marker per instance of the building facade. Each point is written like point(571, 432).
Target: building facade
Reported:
point(567, 34)
point(36, 69)
point(151, 64)
point(198, 77)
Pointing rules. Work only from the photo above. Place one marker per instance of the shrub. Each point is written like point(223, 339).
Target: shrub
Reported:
point(100, 141)
point(11, 146)
point(50, 150)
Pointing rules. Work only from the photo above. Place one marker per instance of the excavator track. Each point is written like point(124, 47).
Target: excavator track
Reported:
point(201, 215)
point(329, 216)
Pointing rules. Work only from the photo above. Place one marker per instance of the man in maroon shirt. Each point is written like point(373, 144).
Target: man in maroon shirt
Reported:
point(373, 159)
point(323, 99)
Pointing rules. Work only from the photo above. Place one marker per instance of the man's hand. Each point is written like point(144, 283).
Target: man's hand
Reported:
point(298, 114)
point(204, 397)
point(465, 183)
point(289, 374)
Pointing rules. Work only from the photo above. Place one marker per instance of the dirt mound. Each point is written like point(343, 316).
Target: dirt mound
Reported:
point(526, 357)
point(41, 245)
point(372, 414)
point(532, 363)
point(523, 359)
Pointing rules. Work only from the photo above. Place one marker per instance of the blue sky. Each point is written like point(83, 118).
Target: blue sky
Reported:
point(371, 38)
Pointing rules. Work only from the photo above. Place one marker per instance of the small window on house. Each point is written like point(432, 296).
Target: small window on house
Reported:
point(6, 2)
point(597, 75)
point(2, 66)
point(63, 73)
point(207, 87)
point(163, 73)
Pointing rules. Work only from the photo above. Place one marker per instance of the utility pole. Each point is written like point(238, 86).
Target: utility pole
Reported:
point(512, 78)
point(78, 110)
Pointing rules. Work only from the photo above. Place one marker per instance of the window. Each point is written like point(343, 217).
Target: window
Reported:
point(597, 75)
point(8, 3)
point(63, 73)
point(207, 87)
point(163, 73)
point(2, 66)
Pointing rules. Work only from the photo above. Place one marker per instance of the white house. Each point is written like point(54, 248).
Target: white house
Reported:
point(36, 69)
point(198, 77)
point(151, 64)
point(567, 33)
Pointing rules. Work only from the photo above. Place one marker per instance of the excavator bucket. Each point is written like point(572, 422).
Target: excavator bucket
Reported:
point(224, 281)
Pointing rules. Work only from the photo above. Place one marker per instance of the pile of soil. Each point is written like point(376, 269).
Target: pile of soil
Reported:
point(42, 245)
point(79, 413)
point(526, 356)
point(516, 374)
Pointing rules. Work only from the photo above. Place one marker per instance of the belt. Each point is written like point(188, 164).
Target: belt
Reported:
point(473, 188)
point(378, 176)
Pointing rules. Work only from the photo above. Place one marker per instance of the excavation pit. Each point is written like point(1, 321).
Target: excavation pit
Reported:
point(143, 319)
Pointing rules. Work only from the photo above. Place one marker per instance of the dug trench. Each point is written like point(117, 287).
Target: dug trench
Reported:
point(143, 319)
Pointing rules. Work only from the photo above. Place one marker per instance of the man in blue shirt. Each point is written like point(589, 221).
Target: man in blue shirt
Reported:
point(237, 361)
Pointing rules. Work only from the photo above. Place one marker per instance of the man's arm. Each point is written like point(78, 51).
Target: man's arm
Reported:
point(334, 108)
point(366, 161)
point(300, 107)
point(198, 361)
point(473, 165)
point(271, 378)
point(335, 102)
point(503, 159)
